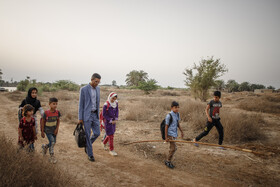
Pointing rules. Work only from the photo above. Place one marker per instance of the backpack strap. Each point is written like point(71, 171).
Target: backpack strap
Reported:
point(171, 119)
point(24, 120)
point(108, 105)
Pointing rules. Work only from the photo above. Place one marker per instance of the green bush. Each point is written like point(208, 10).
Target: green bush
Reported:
point(148, 86)
point(22, 85)
point(66, 85)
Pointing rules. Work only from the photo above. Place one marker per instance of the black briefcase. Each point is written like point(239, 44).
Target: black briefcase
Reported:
point(80, 135)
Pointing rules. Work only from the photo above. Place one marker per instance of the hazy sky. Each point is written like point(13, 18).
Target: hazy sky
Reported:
point(65, 39)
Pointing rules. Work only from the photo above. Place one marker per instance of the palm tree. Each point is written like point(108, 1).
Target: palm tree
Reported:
point(134, 77)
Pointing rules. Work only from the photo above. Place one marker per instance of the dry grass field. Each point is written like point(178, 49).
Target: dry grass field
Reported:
point(250, 121)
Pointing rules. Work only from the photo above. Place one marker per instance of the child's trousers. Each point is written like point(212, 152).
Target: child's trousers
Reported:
point(172, 148)
point(52, 141)
point(110, 138)
point(209, 126)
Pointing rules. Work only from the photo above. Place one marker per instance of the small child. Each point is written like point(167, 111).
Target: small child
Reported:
point(50, 126)
point(33, 101)
point(110, 114)
point(26, 130)
point(212, 112)
point(171, 131)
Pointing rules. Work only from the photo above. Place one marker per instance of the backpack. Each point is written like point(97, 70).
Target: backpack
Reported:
point(101, 117)
point(80, 135)
point(20, 116)
point(162, 126)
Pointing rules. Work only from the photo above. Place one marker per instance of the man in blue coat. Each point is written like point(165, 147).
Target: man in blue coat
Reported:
point(89, 112)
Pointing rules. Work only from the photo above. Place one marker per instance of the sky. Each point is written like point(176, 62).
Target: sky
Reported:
point(70, 40)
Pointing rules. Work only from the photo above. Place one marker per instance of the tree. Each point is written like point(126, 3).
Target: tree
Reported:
point(207, 72)
point(148, 86)
point(22, 85)
point(1, 81)
point(232, 85)
point(134, 77)
point(1, 74)
point(114, 83)
point(271, 87)
point(220, 84)
point(244, 86)
point(257, 86)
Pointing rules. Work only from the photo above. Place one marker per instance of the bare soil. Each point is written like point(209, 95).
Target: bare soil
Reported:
point(143, 164)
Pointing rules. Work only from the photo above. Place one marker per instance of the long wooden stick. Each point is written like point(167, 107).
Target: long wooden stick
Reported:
point(202, 143)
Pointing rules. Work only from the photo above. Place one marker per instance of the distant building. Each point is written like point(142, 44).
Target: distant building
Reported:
point(263, 91)
point(10, 89)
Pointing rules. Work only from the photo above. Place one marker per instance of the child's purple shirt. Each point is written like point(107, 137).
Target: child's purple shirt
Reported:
point(110, 115)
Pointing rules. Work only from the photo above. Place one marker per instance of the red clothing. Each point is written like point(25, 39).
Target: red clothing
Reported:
point(110, 138)
point(27, 131)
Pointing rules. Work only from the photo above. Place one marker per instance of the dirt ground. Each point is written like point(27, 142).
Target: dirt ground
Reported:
point(142, 164)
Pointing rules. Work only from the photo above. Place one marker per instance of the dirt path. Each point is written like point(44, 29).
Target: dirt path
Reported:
point(141, 165)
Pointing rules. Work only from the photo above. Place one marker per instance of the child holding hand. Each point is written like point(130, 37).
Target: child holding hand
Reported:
point(26, 130)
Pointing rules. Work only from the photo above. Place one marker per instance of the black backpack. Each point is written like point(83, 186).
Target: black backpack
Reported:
point(162, 126)
point(80, 135)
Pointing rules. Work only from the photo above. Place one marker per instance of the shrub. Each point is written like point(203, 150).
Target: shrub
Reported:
point(19, 168)
point(266, 104)
point(240, 127)
point(148, 86)
point(22, 85)
point(193, 113)
point(66, 85)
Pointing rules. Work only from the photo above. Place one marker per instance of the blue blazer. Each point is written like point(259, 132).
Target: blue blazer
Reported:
point(85, 102)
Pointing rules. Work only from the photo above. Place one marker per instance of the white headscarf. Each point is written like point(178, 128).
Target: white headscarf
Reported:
point(114, 104)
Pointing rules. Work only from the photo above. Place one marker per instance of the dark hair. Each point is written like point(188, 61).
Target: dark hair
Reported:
point(95, 75)
point(53, 99)
point(174, 103)
point(217, 93)
point(27, 108)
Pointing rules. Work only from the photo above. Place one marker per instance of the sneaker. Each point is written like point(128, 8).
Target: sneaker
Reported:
point(91, 158)
point(44, 149)
point(195, 144)
point(104, 146)
point(222, 148)
point(169, 164)
point(113, 153)
point(52, 159)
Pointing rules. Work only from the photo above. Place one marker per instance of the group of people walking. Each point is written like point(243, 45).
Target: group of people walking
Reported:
point(89, 116)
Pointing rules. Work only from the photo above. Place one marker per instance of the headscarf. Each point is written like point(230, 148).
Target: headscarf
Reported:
point(29, 99)
point(33, 101)
point(115, 103)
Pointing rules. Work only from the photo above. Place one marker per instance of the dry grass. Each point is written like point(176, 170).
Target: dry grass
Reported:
point(28, 169)
point(135, 106)
point(192, 112)
point(146, 109)
point(263, 103)
point(238, 127)
point(241, 128)
point(16, 96)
